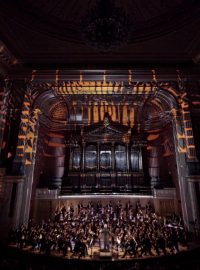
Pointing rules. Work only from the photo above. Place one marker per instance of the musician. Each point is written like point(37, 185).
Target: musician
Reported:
point(173, 241)
point(80, 248)
point(77, 246)
point(146, 245)
point(117, 241)
point(161, 245)
point(66, 244)
point(130, 246)
point(130, 231)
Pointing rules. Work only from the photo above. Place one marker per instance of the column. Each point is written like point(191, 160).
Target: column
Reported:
point(18, 204)
point(18, 163)
point(186, 121)
point(4, 117)
point(30, 154)
point(180, 150)
point(192, 198)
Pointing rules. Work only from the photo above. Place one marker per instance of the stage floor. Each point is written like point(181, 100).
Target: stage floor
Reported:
point(95, 254)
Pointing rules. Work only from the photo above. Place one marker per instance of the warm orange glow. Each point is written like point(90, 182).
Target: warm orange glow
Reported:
point(154, 75)
point(155, 130)
point(21, 136)
point(129, 76)
point(110, 110)
point(119, 113)
point(191, 146)
point(96, 113)
point(25, 120)
point(180, 136)
point(56, 144)
point(33, 75)
point(184, 105)
point(104, 78)
point(153, 137)
point(89, 113)
point(100, 87)
point(132, 117)
point(182, 149)
point(102, 110)
point(26, 112)
point(125, 116)
point(27, 162)
point(81, 76)
point(167, 87)
point(20, 146)
point(28, 149)
point(113, 116)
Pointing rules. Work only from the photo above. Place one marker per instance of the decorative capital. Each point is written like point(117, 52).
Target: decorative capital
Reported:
point(106, 121)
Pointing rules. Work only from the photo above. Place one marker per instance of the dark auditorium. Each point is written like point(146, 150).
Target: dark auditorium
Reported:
point(100, 134)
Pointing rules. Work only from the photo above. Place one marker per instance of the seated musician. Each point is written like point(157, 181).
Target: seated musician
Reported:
point(130, 246)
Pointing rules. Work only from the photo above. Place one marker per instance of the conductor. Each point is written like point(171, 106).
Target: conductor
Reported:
point(105, 238)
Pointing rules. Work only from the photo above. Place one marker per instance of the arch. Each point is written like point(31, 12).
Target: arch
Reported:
point(52, 108)
point(54, 115)
point(156, 111)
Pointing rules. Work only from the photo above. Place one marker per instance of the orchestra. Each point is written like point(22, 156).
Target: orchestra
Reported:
point(132, 231)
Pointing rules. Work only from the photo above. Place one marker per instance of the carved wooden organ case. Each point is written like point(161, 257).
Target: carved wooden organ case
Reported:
point(106, 156)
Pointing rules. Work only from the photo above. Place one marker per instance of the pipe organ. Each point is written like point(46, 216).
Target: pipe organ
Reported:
point(105, 156)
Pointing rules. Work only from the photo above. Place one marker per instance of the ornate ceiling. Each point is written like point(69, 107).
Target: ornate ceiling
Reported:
point(49, 32)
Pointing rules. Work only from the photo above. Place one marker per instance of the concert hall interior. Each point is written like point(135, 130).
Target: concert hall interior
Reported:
point(100, 130)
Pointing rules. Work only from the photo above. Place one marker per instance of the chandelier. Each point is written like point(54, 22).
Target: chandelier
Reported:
point(105, 27)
